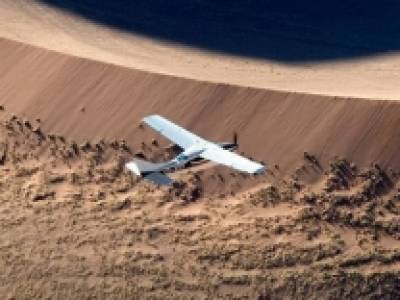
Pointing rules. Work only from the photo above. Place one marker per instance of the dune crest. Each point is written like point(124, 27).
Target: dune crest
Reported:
point(373, 76)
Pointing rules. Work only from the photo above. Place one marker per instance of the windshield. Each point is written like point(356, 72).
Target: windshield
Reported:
point(182, 157)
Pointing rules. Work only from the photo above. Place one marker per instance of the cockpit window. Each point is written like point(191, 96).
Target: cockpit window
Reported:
point(182, 157)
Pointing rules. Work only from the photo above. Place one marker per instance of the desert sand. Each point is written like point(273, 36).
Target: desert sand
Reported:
point(374, 75)
point(76, 224)
point(322, 223)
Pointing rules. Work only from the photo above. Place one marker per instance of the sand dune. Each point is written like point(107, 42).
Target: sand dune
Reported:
point(374, 76)
point(322, 223)
point(84, 99)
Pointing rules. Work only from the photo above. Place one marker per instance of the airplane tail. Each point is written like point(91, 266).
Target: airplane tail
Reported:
point(150, 171)
point(235, 138)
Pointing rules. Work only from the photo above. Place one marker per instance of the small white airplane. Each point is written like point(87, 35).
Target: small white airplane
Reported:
point(194, 148)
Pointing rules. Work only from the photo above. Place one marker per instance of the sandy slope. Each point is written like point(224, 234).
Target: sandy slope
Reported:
point(371, 77)
point(75, 224)
point(84, 99)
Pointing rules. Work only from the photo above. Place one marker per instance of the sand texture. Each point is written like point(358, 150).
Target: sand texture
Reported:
point(322, 223)
point(75, 224)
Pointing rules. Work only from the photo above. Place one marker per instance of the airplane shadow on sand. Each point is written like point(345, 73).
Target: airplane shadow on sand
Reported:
point(297, 31)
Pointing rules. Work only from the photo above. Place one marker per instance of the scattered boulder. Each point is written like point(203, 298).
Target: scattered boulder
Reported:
point(42, 195)
point(154, 142)
point(85, 146)
point(122, 204)
point(28, 124)
point(38, 131)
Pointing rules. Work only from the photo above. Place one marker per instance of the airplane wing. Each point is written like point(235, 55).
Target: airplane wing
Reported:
point(173, 132)
point(213, 152)
point(233, 160)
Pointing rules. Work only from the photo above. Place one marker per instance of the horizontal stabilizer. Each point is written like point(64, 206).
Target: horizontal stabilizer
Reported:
point(142, 167)
point(159, 178)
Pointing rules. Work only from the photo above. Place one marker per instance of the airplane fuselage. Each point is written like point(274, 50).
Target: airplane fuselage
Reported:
point(178, 162)
point(187, 156)
point(193, 154)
